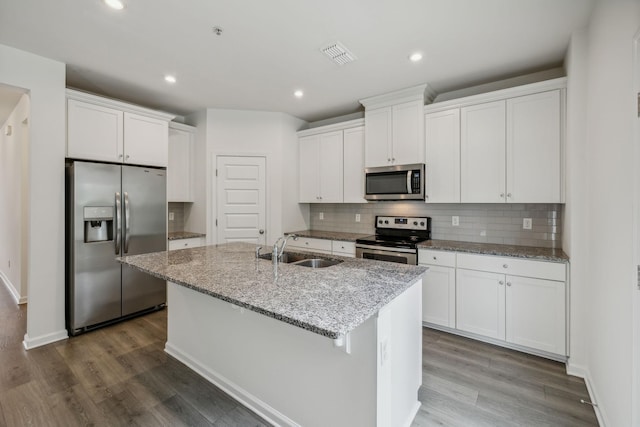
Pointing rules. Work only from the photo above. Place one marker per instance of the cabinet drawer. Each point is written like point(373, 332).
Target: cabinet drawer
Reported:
point(441, 258)
point(339, 247)
point(514, 266)
point(186, 243)
point(309, 244)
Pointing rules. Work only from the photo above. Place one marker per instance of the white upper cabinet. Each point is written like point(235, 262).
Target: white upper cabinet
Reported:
point(179, 169)
point(510, 146)
point(112, 131)
point(94, 132)
point(394, 127)
point(534, 148)
point(354, 165)
point(442, 135)
point(482, 148)
point(321, 168)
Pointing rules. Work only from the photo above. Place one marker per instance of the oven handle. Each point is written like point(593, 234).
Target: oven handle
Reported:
point(386, 249)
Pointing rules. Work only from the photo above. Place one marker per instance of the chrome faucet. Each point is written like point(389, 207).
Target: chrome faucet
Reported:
point(277, 252)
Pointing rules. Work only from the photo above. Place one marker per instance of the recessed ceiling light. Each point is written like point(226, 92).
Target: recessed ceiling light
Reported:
point(298, 94)
point(170, 79)
point(415, 57)
point(115, 4)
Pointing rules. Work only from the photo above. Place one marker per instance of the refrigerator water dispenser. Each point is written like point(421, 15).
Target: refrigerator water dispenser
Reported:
point(98, 224)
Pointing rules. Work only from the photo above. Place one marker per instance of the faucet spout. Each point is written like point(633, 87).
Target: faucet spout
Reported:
point(276, 255)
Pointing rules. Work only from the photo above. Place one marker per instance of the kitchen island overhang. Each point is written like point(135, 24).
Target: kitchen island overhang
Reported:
point(263, 336)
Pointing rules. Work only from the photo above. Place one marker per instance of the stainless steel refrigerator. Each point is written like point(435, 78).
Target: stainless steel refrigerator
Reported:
point(112, 210)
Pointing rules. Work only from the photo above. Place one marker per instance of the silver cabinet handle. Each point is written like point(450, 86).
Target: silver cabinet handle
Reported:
point(500, 282)
point(118, 225)
point(388, 159)
point(126, 222)
point(393, 159)
point(508, 283)
point(434, 258)
point(119, 156)
point(509, 195)
point(261, 231)
point(127, 158)
point(502, 195)
point(505, 266)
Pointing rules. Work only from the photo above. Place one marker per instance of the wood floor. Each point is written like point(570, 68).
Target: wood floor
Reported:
point(120, 375)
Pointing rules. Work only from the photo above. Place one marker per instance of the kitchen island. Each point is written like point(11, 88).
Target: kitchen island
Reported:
point(331, 346)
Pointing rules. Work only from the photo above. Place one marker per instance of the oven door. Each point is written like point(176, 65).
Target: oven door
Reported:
point(381, 253)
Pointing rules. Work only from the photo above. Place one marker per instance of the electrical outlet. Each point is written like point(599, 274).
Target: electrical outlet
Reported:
point(171, 216)
point(455, 221)
point(321, 215)
point(357, 217)
point(526, 223)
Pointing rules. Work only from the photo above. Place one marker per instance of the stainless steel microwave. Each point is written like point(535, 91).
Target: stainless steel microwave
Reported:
point(400, 182)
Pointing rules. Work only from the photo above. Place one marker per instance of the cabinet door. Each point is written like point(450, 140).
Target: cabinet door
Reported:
point(179, 167)
point(534, 148)
point(482, 146)
point(354, 165)
point(408, 133)
point(146, 140)
point(331, 167)
point(480, 303)
point(378, 135)
point(442, 135)
point(308, 162)
point(439, 296)
point(94, 132)
point(535, 313)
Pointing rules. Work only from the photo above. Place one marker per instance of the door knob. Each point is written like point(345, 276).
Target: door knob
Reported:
point(261, 231)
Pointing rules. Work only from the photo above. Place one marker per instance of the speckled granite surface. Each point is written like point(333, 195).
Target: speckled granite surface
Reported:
point(178, 235)
point(329, 235)
point(545, 254)
point(329, 301)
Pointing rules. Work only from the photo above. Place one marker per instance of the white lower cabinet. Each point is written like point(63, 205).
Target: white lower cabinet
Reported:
point(439, 287)
point(518, 301)
point(323, 246)
point(193, 242)
point(529, 310)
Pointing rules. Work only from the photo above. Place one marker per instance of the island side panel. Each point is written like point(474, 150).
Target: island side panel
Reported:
point(400, 358)
point(288, 375)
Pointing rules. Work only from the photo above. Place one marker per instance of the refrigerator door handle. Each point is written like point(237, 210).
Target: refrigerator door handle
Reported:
point(126, 222)
point(118, 224)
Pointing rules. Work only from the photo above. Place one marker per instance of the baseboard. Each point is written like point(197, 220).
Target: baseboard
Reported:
point(12, 289)
point(583, 372)
point(30, 343)
point(413, 414)
point(247, 399)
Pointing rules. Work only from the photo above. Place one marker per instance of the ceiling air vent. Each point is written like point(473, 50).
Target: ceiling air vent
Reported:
point(338, 53)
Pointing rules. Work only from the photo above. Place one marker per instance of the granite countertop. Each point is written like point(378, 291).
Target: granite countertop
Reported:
point(328, 301)
point(178, 235)
point(530, 252)
point(329, 235)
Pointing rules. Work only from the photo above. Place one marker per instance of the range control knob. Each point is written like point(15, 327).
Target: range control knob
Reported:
point(421, 222)
point(379, 221)
point(415, 222)
point(386, 221)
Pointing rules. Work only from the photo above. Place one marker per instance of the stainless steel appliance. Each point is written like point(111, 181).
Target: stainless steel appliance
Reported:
point(400, 182)
point(396, 239)
point(112, 210)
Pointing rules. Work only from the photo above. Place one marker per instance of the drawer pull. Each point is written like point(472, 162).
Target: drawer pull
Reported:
point(435, 258)
point(500, 282)
point(505, 265)
point(508, 283)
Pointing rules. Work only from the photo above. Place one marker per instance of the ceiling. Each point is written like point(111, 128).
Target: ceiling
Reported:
point(269, 49)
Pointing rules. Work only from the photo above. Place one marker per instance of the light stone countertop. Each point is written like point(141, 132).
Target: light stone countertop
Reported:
point(328, 301)
point(179, 235)
point(529, 252)
point(329, 235)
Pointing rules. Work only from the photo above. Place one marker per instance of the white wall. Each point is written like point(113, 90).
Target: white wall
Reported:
point(45, 81)
point(599, 211)
point(240, 132)
point(14, 157)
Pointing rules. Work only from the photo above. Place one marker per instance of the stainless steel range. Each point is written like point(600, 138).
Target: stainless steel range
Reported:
point(396, 239)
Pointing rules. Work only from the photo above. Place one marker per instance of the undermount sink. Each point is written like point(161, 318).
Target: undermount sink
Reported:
point(304, 260)
point(317, 262)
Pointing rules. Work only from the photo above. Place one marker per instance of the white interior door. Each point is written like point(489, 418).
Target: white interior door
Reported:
point(241, 206)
